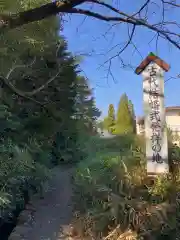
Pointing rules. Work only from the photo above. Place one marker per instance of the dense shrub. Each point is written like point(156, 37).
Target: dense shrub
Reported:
point(119, 143)
point(22, 164)
point(114, 198)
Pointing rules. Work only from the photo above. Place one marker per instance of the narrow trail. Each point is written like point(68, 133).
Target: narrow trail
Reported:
point(53, 213)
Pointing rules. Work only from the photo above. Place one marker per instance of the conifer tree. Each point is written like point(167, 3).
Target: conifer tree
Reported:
point(85, 105)
point(124, 119)
point(110, 118)
point(32, 138)
point(131, 108)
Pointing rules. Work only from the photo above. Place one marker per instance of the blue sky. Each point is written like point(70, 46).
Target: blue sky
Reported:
point(87, 36)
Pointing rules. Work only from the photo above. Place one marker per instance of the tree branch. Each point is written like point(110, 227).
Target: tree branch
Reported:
point(32, 93)
point(21, 94)
point(126, 19)
point(19, 66)
point(172, 3)
point(141, 8)
point(137, 18)
point(26, 94)
point(99, 16)
point(15, 20)
point(17, 91)
point(68, 6)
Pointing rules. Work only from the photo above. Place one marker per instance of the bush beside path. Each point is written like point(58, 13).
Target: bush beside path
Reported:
point(48, 218)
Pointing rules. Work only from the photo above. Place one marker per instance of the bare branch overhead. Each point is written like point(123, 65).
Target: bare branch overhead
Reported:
point(162, 25)
point(18, 19)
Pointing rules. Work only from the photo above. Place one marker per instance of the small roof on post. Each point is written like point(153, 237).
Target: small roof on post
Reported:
point(152, 58)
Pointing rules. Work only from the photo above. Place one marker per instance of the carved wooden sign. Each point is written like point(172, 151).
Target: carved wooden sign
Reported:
point(152, 70)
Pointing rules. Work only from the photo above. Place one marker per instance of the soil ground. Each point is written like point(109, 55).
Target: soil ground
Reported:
point(53, 213)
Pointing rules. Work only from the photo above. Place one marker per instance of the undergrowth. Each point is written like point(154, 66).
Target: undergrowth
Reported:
point(24, 165)
point(113, 199)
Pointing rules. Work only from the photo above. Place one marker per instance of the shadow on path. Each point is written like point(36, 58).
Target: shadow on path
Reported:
point(53, 213)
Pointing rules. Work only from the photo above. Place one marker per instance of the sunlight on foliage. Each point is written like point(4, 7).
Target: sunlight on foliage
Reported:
point(113, 198)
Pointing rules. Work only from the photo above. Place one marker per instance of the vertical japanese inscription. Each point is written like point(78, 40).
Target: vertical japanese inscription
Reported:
point(154, 115)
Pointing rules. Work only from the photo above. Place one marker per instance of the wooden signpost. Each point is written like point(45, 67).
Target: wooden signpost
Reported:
point(152, 70)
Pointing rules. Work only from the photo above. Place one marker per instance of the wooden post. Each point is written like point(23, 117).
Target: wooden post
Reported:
point(152, 70)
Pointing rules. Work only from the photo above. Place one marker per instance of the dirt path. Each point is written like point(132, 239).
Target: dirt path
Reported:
point(53, 214)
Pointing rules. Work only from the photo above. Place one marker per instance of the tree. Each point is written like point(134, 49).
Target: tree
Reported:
point(137, 18)
point(141, 16)
point(25, 126)
point(86, 110)
point(110, 121)
point(133, 116)
point(39, 72)
point(25, 74)
point(105, 123)
point(37, 106)
point(124, 118)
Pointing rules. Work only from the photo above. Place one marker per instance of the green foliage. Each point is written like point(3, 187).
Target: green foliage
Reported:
point(85, 106)
point(113, 198)
point(51, 124)
point(105, 123)
point(124, 122)
point(33, 37)
point(110, 121)
point(131, 108)
point(18, 164)
point(122, 143)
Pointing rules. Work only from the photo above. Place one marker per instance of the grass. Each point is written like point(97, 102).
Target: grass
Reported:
point(112, 198)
